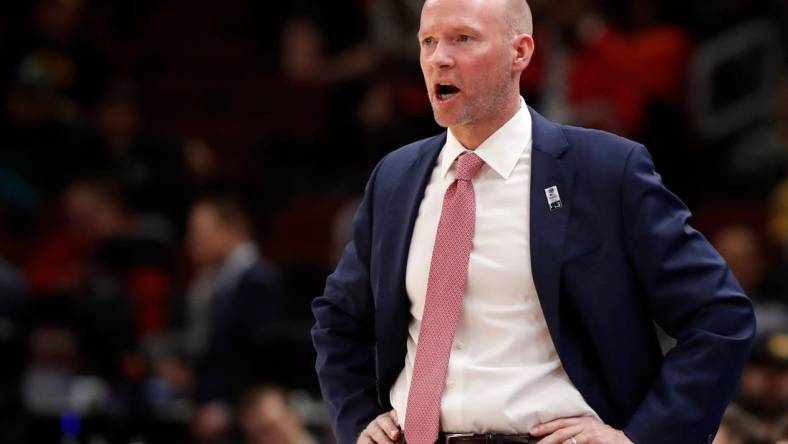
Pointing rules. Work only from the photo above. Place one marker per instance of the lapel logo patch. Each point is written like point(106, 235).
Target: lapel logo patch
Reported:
point(553, 199)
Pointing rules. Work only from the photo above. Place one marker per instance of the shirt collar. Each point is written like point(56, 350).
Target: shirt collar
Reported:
point(243, 257)
point(500, 151)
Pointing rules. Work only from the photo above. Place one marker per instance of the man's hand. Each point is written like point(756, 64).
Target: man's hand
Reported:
point(579, 430)
point(382, 430)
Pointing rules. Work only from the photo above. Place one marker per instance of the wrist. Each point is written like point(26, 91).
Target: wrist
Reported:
point(624, 438)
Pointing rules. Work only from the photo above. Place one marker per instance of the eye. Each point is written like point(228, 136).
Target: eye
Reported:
point(427, 41)
point(463, 38)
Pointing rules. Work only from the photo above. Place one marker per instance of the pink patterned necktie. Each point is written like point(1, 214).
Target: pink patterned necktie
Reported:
point(443, 305)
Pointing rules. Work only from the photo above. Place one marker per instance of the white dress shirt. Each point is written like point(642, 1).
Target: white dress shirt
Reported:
point(504, 373)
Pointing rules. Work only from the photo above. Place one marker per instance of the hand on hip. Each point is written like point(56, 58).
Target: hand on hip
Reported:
point(382, 430)
point(579, 430)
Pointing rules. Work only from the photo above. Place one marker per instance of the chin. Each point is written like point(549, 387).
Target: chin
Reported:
point(441, 122)
point(450, 121)
point(447, 119)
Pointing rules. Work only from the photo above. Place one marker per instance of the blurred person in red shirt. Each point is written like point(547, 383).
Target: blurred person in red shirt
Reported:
point(102, 270)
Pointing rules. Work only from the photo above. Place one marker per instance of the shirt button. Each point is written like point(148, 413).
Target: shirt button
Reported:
point(458, 345)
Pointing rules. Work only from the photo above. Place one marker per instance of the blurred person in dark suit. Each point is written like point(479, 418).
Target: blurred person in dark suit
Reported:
point(234, 298)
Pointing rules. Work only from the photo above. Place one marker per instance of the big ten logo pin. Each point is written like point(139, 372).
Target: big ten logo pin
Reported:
point(553, 199)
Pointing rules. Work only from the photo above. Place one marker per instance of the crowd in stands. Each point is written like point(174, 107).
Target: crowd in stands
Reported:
point(177, 180)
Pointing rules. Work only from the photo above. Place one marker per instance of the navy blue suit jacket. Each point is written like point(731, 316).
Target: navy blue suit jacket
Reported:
point(616, 256)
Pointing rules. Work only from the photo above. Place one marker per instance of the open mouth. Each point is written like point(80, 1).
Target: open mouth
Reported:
point(445, 91)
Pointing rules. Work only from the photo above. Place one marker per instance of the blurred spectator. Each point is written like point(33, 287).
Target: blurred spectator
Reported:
point(155, 176)
point(169, 385)
point(760, 410)
point(393, 111)
point(778, 218)
point(394, 25)
point(55, 53)
point(96, 221)
point(342, 228)
point(763, 278)
point(763, 392)
point(103, 273)
point(738, 427)
point(13, 339)
point(53, 367)
point(781, 432)
point(741, 249)
point(51, 75)
point(38, 144)
point(324, 44)
point(266, 417)
point(589, 78)
point(234, 298)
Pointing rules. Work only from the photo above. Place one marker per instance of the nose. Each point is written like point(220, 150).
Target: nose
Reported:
point(441, 56)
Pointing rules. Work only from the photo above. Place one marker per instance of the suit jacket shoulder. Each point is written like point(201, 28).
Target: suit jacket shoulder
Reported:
point(598, 153)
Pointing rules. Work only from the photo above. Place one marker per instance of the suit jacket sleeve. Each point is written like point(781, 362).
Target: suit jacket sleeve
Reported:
point(344, 336)
point(694, 297)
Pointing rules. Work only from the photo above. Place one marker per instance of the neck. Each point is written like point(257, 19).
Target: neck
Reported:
point(231, 245)
point(473, 134)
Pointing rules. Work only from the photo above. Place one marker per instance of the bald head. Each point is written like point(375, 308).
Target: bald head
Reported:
point(515, 13)
point(518, 15)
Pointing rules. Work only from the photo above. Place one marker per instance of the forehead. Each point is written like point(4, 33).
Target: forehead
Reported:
point(206, 214)
point(475, 14)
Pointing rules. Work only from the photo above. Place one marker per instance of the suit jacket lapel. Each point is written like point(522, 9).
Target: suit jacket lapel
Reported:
point(392, 301)
point(548, 227)
point(405, 201)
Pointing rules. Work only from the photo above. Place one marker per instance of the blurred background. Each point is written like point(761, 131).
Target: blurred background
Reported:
point(177, 179)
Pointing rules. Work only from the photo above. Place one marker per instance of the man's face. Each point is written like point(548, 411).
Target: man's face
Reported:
point(466, 58)
point(206, 236)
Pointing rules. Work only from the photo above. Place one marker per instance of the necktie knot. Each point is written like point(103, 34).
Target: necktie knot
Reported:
point(468, 165)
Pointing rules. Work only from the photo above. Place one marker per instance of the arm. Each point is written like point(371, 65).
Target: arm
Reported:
point(694, 297)
point(344, 335)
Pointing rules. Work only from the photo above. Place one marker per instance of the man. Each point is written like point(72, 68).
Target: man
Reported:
point(235, 298)
point(503, 277)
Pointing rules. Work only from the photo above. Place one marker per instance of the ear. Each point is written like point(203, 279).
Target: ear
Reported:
point(523, 45)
